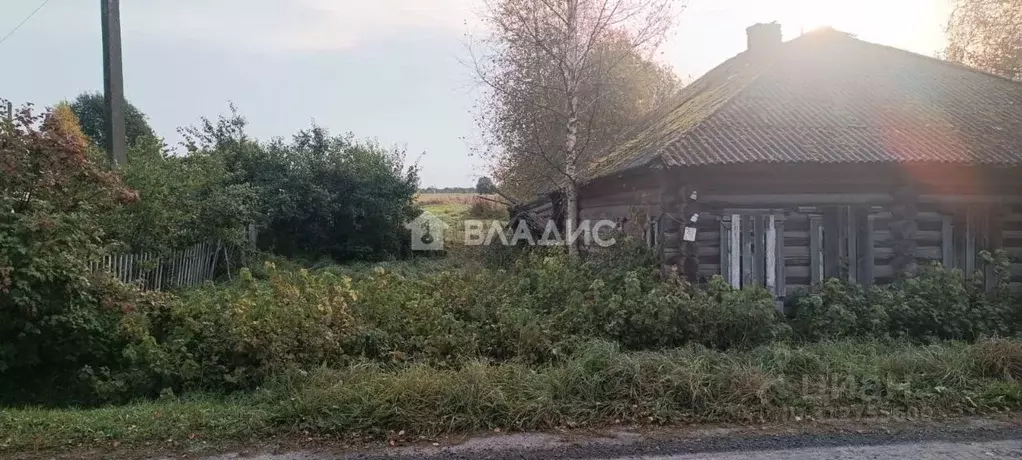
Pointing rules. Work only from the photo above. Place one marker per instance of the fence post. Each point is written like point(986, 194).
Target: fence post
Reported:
point(159, 274)
point(180, 269)
point(216, 258)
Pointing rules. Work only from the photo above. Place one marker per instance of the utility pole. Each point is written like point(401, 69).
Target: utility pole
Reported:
point(10, 111)
point(113, 84)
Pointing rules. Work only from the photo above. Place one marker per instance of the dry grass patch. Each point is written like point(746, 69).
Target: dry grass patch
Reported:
point(429, 199)
point(998, 358)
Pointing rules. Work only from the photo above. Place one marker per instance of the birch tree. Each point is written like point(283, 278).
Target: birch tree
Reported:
point(987, 34)
point(549, 68)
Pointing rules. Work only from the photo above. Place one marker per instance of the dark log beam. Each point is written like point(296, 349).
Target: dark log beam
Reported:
point(851, 238)
point(690, 249)
point(831, 242)
point(994, 241)
point(672, 208)
point(746, 247)
point(864, 238)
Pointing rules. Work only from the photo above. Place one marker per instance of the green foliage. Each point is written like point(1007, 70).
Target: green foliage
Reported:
point(54, 319)
point(836, 310)
point(998, 358)
point(538, 307)
point(614, 85)
point(320, 195)
point(621, 297)
point(91, 111)
point(184, 200)
point(67, 335)
point(485, 186)
point(236, 336)
point(937, 304)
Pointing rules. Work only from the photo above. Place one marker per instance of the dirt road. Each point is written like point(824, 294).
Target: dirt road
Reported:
point(963, 439)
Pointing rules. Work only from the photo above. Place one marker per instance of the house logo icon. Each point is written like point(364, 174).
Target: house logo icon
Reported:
point(427, 232)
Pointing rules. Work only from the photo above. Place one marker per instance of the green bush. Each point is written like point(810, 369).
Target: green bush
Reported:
point(937, 304)
point(183, 200)
point(55, 318)
point(724, 318)
point(236, 336)
point(539, 311)
point(320, 196)
point(542, 309)
point(837, 310)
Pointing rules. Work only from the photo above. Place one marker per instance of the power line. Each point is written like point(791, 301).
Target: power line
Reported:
point(41, 5)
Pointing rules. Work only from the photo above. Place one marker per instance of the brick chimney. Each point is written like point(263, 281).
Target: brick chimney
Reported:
point(764, 36)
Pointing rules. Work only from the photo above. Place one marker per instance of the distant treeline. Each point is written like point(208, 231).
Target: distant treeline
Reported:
point(448, 190)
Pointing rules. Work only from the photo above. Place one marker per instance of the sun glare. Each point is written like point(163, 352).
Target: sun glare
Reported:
point(910, 23)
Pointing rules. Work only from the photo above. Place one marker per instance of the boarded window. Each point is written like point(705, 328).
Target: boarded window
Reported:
point(752, 246)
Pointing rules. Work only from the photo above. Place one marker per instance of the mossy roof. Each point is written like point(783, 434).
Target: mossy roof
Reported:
point(828, 97)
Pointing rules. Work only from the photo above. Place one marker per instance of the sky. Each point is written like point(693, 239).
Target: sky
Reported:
point(392, 70)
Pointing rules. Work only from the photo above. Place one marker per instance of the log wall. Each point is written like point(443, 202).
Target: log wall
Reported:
point(883, 232)
point(620, 204)
point(1012, 241)
point(864, 258)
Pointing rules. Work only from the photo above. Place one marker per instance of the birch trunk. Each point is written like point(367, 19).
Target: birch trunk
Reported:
point(571, 77)
point(571, 170)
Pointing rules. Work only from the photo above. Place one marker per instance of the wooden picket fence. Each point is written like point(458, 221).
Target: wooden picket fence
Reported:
point(184, 268)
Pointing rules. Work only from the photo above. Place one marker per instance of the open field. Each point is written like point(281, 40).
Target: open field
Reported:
point(432, 199)
point(453, 208)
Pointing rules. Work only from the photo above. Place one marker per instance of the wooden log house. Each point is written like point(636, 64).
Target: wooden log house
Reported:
point(824, 156)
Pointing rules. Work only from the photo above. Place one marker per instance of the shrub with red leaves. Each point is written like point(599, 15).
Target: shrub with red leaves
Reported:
point(54, 191)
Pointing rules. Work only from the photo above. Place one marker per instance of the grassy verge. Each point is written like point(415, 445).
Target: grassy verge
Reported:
point(597, 386)
point(165, 421)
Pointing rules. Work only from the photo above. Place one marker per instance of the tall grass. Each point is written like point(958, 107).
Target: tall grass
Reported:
point(599, 384)
point(602, 385)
